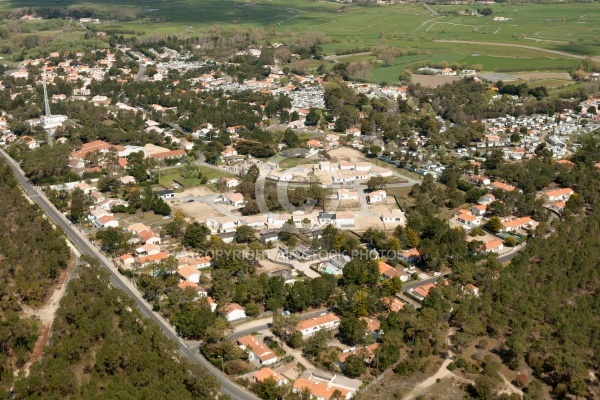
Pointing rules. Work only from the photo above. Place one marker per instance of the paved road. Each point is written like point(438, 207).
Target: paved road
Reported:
point(85, 247)
point(265, 322)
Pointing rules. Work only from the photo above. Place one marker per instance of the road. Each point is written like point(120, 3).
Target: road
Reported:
point(119, 281)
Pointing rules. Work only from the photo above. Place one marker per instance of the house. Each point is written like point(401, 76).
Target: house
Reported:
point(310, 326)
point(421, 292)
point(221, 224)
point(185, 285)
point(147, 250)
point(469, 220)
point(267, 373)
point(393, 217)
point(558, 206)
point(325, 218)
point(377, 196)
point(189, 273)
point(368, 353)
point(137, 228)
point(230, 151)
point(388, 272)
point(412, 255)
point(503, 186)
point(516, 223)
point(472, 289)
point(314, 144)
point(494, 246)
point(126, 260)
point(179, 153)
point(196, 262)
point(253, 221)
point(233, 312)
point(231, 182)
point(145, 260)
point(320, 389)
point(373, 325)
point(486, 199)
point(234, 199)
point(557, 194)
point(148, 236)
point(165, 194)
point(479, 210)
point(106, 221)
point(282, 176)
point(347, 194)
point(257, 350)
point(480, 180)
point(344, 219)
point(393, 304)
point(268, 237)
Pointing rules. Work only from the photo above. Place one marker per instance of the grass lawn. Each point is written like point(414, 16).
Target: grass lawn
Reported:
point(294, 162)
point(168, 176)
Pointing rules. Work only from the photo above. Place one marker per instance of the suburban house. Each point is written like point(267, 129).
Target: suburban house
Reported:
point(412, 255)
point(234, 199)
point(392, 303)
point(494, 246)
point(347, 194)
point(147, 260)
point(557, 194)
point(344, 219)
point(377, 196)
point(233, 312)
point(367, 351)
point(479, 209)
point(165, 194)
point(466, 218)
point(268, 237)
point(393, 217)
point(486, 199)
point(503, 186)
point(221, 224)
point(558, 206)
point(421, 292)
point(480, 180)
point(196, 262)
point(514, 224)
point(189, 273)
point(267, 373)
point(310, 326)
point(231, 182)
point(257, 350)
point(388, 272)
point(148, 236)
point(320, 389)
point(148, 250)
point(253, 221)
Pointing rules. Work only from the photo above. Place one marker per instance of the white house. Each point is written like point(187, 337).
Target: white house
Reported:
point(310, 326)
point(234, 199)
point(233, 312)
point(221, 224)
point(347, 194)
point(516, 223)
point(189, 274)
point(344, 219)
point(257, 350)
point(231, 182)
point(378, 196)
point(466, 218)
point(283, 176)
point(557, 194)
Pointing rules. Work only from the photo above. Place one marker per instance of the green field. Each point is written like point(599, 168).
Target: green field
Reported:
point(168, 176)
point(573, 29)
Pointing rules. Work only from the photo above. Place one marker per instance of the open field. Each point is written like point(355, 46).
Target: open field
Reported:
point(573, 29)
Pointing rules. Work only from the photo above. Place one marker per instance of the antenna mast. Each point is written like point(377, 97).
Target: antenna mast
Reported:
point(46, 102)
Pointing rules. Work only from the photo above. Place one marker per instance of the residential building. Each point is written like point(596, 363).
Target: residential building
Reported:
point(320, 389)
point(165, 194)
point(257, 350)
point(310, 326)
point(412, 255)
point(233, 312)
point(388, 272)
point(392, 303)
point(503, 186)
point(378, 196)
point(494, 246)
point(514, 224)
point(189, 273)
point(480, 180)
point(267, 373)
point(465, 217)
point(557, 194)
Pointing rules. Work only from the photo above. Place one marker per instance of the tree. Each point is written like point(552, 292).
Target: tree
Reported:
point(160, 207)
point(285, 326)
point(113, 239)
point(412, 239)
point(245, 234)
point(376, 183)
point(352, 331)
point(252, 174)
point(291, 139)
point(354, 366)
point(195, 235)
point(494, 224)
point(313, 116)
point(486, 11)
point(510, 241)
point(190, 170)
point(77, 205)
point(405, 76)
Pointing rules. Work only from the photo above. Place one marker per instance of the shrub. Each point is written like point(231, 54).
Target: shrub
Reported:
point(451, 366)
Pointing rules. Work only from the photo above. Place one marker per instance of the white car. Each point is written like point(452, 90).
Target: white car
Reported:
point(437, 273)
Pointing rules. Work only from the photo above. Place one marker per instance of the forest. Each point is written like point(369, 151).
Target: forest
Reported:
point(32, 256)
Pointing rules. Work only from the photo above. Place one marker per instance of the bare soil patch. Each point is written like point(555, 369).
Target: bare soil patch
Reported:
point(198, 211)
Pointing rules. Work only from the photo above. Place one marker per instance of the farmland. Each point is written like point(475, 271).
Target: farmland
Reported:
point(568, 31)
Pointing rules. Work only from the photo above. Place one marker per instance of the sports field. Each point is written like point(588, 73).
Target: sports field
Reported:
point(551, 36)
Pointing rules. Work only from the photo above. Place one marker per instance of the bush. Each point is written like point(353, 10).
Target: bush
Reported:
point(461, 363)
point(451, 366)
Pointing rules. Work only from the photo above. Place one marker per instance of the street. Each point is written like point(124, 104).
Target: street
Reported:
point(121, 282)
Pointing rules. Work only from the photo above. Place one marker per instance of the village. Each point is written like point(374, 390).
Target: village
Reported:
point(361, 192)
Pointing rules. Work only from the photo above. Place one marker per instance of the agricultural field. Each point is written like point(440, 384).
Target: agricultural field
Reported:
point(533, 37)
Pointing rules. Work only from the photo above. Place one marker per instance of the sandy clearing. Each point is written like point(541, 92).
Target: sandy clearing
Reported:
point(195, 191)
point(346, 153)
point(198, 211)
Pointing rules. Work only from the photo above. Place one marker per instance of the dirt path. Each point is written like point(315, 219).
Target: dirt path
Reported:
point(561, 53)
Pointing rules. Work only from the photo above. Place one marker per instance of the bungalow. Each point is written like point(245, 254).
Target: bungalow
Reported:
point(234, 199)
point(494, 246)
point(325, 218)
point(373, 325)
point(558, 206)
point(185, 285)
point(480, 180)
point(196, 262)
point(221, 224)
point(146, 260)
point(353, 131)
point(148, 250)
point(179, 153)
point(516, 223)
point(148, 236)
point(388, 272)
point(314, 144)
point(257, 350)
point(487, 198)
point(347, 194)
point(421, 292)
point(412, 255)
point(282, 176)
point(346, 165)
point(466, 218)
point(472, 289)
point(479, 209)
point(126, 260)
point(344, 219)
point(231, 182)
point(189, 274)
point(310, 326)
point(392, 303)
point(137, 228)
point(230, 151)
point(557, 194)
point(165, 194)
point(106, 221)
point(267, 373)
point(503, 186)
point(268, 237)
point(377, 196)
point(393, 217)
point(367, 352)
point(233, 312)
point(320, 389)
